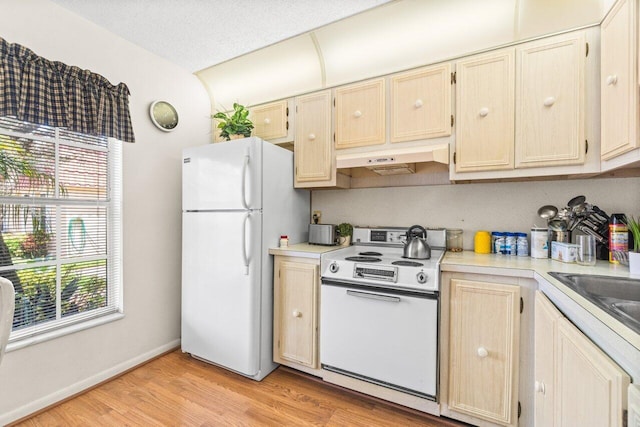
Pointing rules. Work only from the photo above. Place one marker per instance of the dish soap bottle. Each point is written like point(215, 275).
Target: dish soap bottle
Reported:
point(618, 236)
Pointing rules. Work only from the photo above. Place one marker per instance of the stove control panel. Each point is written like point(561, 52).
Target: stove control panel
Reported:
point(388, 274)
point(421, 277)
point(395, 236)
point(387, 236)
point(379, 236)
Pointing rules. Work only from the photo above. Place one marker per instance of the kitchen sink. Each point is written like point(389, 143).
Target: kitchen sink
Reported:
point(602, 286)
point(631, 309)
point(618, 296)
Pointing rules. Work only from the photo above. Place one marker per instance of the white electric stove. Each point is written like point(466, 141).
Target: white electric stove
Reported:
point(379, 320)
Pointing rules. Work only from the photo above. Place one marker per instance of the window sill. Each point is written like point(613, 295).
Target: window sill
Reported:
point(29, 341)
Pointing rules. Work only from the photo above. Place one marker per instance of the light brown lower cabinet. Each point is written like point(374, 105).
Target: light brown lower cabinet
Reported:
point(576, 383)
point(634, 406)
point(484, 325)
point(295, 311)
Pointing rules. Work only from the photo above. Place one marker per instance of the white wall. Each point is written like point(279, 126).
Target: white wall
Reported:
point(38, 375)
point(472, 207)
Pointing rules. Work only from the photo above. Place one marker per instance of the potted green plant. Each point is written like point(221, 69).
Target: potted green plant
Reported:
point(634, 256)
point(345, 231)
point(235, 122)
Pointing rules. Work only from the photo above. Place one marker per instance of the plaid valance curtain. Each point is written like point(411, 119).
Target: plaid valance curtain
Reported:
point(34, 89)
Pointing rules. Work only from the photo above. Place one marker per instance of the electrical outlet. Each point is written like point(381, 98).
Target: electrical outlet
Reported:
point(317, 217)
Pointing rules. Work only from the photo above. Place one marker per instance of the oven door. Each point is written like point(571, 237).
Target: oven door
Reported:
point(386, 337)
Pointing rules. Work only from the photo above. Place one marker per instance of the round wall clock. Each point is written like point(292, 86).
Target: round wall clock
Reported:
point(163, 115)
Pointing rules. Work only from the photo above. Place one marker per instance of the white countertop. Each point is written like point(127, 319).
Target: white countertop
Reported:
point(528, 265)
point(502, 265)
point(303, 250)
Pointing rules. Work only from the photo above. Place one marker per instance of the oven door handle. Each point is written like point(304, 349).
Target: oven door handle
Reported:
point(372, 296)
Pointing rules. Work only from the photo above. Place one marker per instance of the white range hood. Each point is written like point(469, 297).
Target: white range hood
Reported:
point(394, 161)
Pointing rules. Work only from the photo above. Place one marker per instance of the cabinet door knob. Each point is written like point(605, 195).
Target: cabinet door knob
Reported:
point(539, 387)
point(312, 136)
point(297, 313)
point(418, 103)
point(549, 101)
point(483, 112)
point(482, 352)
point(612, 79)
point(267, 121)
point(357, 114)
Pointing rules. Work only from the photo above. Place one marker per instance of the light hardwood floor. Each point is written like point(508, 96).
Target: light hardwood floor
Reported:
point(178, 390)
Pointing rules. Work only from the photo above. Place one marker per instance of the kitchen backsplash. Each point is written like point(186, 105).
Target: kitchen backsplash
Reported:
point(510, 206)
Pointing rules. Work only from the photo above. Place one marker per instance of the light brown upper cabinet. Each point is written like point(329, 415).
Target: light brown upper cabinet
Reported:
point(484, 111)
point(271, 121)
point(619, 80)
point(313, 147)
point(421, 104)
point(550, 76)
point(360, 114)
point(542, 125)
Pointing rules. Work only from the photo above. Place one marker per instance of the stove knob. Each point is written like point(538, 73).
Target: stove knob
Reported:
point(422, 277)
point(333, 267)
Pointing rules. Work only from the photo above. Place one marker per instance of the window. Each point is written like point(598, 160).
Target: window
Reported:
point(60, 226)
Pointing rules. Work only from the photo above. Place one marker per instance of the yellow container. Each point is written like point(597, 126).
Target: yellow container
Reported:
point(482, 242)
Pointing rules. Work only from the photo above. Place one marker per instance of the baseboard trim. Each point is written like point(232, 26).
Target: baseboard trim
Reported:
point(53, 399)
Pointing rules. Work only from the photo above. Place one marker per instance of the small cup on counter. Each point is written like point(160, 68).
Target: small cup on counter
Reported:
point(454, 239)
point(586, 250)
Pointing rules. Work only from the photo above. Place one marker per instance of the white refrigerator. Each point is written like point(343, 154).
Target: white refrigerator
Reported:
point(237, 200)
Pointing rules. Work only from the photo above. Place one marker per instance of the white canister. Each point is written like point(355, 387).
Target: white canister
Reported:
point(539, 243)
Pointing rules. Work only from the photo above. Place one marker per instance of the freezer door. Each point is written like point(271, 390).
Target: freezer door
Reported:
point(223, 176)
point(221, 314)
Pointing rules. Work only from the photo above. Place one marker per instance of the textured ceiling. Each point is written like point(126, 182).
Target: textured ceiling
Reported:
point(197, 34)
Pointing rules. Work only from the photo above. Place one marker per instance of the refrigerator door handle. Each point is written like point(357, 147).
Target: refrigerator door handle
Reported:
point(245, 168)
point(245, 256)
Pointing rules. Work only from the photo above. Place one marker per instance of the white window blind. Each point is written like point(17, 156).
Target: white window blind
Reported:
point(60, 228)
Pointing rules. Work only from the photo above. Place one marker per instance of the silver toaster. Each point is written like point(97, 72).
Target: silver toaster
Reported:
point(323, 234)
